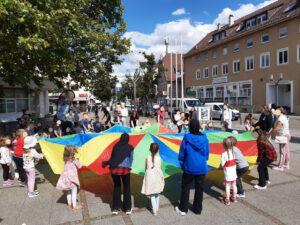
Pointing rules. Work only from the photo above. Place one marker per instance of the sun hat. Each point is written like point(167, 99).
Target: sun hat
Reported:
point(29, 142)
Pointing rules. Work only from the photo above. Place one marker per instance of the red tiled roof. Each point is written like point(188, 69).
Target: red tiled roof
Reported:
point(276, 15)
point(166, 64)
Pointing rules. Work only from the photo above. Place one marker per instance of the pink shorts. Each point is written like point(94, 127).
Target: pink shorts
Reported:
point(229, 183)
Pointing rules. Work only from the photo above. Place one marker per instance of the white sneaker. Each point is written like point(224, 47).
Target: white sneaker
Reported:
point(260, 187)
point(129, 212)
point(268, 182)
point(241, 195)
point(180, 212)
point(115, 212)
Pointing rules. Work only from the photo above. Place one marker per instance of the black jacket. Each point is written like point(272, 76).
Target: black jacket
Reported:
point(265, 122)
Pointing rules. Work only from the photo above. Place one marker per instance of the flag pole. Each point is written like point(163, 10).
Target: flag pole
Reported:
point(176, 69)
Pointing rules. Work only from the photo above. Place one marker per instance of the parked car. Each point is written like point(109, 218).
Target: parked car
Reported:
point(216, 109)
point(187, 103)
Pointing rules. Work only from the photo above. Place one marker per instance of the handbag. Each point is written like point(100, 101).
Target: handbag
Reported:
point(281, 140)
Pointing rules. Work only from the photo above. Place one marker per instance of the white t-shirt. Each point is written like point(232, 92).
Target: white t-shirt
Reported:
point(28, 158)
point(284, 130)
point(124, 112)
point(5, 156)
point(227, 115)
point(229, 166)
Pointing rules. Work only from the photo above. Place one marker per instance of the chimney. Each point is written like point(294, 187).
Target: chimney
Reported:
point(219, 26)
point(231, 19)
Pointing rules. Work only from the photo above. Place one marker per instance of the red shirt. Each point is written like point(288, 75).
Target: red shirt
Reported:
point(265, 151)
point(19, 148)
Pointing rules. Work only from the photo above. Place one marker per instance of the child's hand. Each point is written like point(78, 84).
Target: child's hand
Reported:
point(8, 164)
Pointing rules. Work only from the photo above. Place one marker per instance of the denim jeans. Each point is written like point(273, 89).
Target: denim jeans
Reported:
point(155, 202)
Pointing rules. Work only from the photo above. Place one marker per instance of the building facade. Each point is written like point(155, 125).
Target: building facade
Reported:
point(252, 61)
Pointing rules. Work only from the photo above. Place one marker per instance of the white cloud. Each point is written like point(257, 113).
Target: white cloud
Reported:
point(179, 12)
point(192, 33)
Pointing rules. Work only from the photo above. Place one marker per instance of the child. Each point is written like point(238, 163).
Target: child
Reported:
point(30, 129)
point(85, 123)
point(266, 155)
point(179, 122)
point(5, 160)
point(247, 122)
point(21, 134)
point(154, 181)
point(57, 130)
point(97, 125)
point(170, 125)
point(115, 120)
point(209, 126)
point(147, 123)
point(28, 158)
point(228, 162)
point(68, 180)
point(91, 125)
point(242, 167)
point(186, 126)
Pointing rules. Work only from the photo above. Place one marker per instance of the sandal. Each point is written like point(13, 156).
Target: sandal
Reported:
point(77, 208)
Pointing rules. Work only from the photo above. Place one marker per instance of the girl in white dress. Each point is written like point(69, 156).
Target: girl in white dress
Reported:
point(154, 182)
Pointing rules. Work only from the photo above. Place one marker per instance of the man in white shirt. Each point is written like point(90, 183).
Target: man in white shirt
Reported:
point(226, 116)
point(124, 114)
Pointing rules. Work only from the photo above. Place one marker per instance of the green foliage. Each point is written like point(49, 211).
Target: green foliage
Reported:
point(56, 40)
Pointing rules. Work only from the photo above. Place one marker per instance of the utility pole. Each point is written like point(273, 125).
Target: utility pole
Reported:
point(176, 78)
point(171, 71)
point(136, 77)
point(181, 73)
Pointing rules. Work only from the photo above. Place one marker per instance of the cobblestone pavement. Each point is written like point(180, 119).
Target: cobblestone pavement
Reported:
point(278, 204)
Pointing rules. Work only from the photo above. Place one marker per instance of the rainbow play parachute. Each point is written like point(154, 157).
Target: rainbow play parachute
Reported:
point(95, 148)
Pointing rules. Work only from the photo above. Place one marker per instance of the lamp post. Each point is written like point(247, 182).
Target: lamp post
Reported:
point(276, 83)
point(136, 77)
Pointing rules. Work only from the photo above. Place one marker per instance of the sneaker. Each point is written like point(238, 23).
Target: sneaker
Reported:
point(115, 212)
point(6, 183)
point(36, 191)
point(277, 168)
point(32, 195)
point(22, 184)
point(268, 182)
point(260, 187)
point(180, 212)
point(11, 182)
point(286, 167)
point(128, 212)
point(16, 175)
point(225, 201)
point(240, 195)
point(233, 200)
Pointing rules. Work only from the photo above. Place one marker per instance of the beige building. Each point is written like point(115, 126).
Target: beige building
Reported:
point(241, 62)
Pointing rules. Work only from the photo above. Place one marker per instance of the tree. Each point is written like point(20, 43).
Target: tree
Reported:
point(105, 88)
point(61, 40)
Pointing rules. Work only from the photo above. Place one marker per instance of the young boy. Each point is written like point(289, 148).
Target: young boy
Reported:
point(97, 125)
point(57, 130)
point(85, 123)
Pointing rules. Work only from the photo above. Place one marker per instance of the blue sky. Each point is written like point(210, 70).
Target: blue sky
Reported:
point(149, 22)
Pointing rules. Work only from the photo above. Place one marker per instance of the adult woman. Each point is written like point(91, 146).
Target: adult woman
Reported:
point(107, 115)
point(134, 119)
point(193, 156)
point(120, 166)
point(161, 115)
point(282, 129)
point(226, 117)
point(265, 121)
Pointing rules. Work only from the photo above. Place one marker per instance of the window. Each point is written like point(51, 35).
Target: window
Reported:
point(245, 90)
point(261, 18)
point(283, 56)
point(249, 63)
point(206, 56)
point(198, 75)
point(250, 23)
point(205, 72)
point(225, 51)
point(214, 54)
point(219, 92)
point(14, 100)
point(236, 47)
point(283, 32)
point(298, 53)
point(236, 67)
point(209, 92)
point(224, 68)
point(215, 70)
point(265, 60)
point(249, 43)
point(265, 38)
point(200, 93)
point(198, 59)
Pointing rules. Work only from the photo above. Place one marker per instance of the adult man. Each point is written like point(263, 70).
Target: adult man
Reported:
point(193, 113)
point(124, 114)
point(226, 116)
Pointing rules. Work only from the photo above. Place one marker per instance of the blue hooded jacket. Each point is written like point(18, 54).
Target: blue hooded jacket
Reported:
point(193, 154)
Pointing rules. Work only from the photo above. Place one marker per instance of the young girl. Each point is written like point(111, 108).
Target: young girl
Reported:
point(68, 180)
point(154, 181)
point(266, 155)
point(247, 122)
point(5, 160)
point(170, 125)
point(29, 155)
point(147, 123)
point(228, 162)
point(18, 155)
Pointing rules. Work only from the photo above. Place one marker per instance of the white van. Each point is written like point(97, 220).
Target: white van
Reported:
point(187, 103)
point(216, 109)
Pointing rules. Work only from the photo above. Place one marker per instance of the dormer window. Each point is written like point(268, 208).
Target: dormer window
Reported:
point(261, 18)
point(250, 23)
point(219, 36)
point(256, 20)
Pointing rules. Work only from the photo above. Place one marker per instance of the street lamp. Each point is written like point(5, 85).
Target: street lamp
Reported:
point(276, 82)
point(136, 77)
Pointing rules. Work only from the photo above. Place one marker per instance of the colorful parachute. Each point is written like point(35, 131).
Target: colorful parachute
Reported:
point(95, 148)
